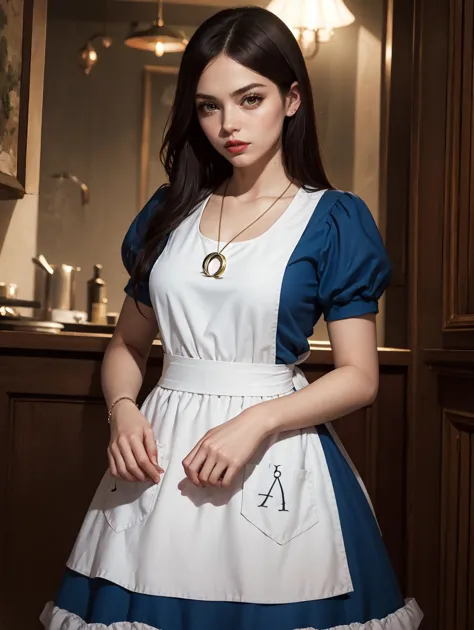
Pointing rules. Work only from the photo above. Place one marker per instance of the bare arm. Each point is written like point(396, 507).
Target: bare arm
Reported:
point(132, 448)
point(352, 385)
point(125, 359)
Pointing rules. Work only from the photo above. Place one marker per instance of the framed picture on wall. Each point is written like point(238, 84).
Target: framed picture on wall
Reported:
point(20, 91)
point(159, 85)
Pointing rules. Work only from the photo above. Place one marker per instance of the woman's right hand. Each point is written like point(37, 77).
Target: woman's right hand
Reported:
point(132, 448)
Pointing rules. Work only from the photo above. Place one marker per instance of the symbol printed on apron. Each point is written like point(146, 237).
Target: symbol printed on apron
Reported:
point(287, 491)
point(126, 504)
point(277, 479)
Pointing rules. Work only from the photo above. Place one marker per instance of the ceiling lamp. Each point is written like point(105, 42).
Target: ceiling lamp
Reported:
point(312, 21)
point(159, 38)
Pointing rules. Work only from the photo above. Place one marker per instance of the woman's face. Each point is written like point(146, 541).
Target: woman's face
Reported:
point(242, 112)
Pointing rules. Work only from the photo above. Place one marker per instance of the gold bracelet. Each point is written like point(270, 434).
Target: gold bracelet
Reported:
point(109, 415)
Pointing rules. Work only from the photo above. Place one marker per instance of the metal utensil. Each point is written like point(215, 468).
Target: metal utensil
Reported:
point(60, 286)
point(43, 264)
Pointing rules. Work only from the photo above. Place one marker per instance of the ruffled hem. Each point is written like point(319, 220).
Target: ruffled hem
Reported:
point(54, 618)
point(407, 618)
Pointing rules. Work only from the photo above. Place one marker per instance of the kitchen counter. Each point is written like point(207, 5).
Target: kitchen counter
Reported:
point(20, 342)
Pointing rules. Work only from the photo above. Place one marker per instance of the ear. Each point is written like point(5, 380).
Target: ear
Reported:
point(293, 100)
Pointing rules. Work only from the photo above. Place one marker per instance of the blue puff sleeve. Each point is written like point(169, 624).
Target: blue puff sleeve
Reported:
point(353, 266)
point(133, 242)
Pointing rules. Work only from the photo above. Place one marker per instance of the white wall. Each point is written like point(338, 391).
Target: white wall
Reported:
point(18, 228)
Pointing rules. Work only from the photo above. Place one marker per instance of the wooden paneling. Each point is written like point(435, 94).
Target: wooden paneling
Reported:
point(458, 294)
point(397, 88)
point(52, 449)
point(56, 456)
point(442, 371)
point(457, 549)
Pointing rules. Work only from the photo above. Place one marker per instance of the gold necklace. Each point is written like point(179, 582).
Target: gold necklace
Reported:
point(218, 255)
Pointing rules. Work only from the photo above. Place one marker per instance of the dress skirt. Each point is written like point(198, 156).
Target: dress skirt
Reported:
point(375, 604)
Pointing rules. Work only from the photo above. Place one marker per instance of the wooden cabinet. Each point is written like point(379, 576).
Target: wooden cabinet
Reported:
point(53, 439)
point(441, 316)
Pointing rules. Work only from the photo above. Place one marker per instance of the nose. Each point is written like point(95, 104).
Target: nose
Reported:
point(230, 120)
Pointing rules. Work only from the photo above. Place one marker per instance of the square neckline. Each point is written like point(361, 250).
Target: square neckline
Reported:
point(249, 240)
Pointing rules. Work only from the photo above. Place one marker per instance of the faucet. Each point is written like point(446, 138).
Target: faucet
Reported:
point(85, 197)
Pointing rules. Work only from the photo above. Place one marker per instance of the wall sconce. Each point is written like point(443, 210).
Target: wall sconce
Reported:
point(312, 21)
point(159, 38)
point(88, 54)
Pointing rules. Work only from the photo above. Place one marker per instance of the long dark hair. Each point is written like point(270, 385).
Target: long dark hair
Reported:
point(259, 40)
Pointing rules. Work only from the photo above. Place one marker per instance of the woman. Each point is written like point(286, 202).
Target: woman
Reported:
point(230, 504)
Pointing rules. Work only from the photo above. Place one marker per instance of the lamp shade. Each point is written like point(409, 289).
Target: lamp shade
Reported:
point(312, 14)
point(158, 39)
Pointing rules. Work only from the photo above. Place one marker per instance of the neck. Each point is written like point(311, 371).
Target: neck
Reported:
point(265, 179)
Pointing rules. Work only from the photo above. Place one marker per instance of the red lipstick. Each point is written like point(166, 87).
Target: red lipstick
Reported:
point(236, 146)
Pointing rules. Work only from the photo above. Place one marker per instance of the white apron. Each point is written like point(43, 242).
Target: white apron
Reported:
point(275, 535)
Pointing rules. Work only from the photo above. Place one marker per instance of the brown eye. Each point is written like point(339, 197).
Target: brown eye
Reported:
point(207, 108)
point(253, 100)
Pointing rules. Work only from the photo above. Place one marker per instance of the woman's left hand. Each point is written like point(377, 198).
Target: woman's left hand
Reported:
point(223, 451)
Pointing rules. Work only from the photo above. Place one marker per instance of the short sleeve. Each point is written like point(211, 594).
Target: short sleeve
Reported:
point(133, 243)
point(353, 266)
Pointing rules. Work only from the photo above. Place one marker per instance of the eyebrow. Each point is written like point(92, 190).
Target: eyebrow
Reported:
point(246, 88)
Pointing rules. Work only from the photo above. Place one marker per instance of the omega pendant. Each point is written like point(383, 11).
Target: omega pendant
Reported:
point(210, 258)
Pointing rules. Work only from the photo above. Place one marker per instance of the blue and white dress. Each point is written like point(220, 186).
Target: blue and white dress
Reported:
point(293, 544)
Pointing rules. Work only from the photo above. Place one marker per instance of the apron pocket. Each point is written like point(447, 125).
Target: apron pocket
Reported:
point(279, 500)
point(128, 503)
